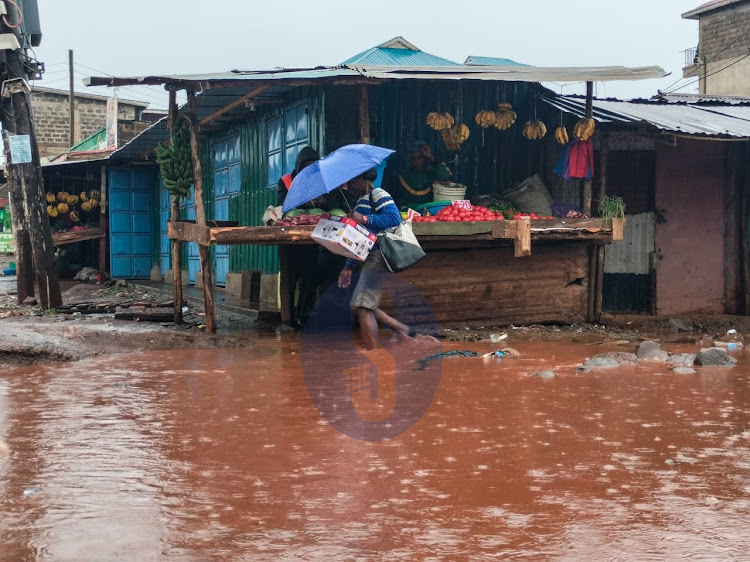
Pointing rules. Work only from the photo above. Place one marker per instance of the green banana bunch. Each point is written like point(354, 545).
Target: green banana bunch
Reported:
point(176, 164)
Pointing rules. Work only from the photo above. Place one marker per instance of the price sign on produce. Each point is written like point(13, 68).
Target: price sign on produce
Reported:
point(463, 204)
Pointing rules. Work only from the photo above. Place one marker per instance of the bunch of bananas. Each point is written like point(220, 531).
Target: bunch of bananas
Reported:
point(50, 197)
point(94, 194)
point(62, 208)
point(504, 116)
point(83, 196)
point(584, 129)
point(453, 137)
point(74, 216)
point(534, 130)
point(72, 200)
point(87, 205)
point(486, 118)
point(52, 211)
point(176, 164)
point(62, 196)
point(561, 136)
point(440, 121)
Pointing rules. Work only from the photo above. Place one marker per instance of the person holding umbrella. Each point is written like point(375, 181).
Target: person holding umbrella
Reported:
point(354, 166)
point(376, 211)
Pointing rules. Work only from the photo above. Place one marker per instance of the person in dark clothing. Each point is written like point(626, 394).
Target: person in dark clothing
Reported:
point(303, 260)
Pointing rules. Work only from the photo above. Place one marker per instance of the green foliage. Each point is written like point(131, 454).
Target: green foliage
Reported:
point(612, 208)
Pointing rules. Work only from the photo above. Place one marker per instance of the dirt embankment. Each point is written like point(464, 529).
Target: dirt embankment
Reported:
point(29, 335)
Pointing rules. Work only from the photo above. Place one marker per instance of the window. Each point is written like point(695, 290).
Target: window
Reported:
point(287, 135)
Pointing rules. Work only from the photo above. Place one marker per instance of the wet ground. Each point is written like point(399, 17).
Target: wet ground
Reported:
point(222, 455)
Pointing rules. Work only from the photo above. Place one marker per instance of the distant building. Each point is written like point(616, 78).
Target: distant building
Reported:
point(52, 119)
point(720, 63)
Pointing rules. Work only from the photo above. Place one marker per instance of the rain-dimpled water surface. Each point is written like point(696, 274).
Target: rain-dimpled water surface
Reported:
point(221, 455)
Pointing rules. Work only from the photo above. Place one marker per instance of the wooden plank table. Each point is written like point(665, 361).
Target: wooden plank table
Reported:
point(73, 236)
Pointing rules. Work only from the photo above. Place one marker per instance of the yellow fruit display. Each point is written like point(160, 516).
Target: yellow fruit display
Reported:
point(52, 211)
point(534, 130)
point(584, 129)
point(72, 200)
point(439, 121)
point(84, 196)
point(50, 197)
point(86, 206)
point(561, 136)
point(454, 136)
point(62, 208)
point(485, 118)
point(74, 216)
point(62, 196)
point(94, 194)
point(94, 203)
point(505, 116)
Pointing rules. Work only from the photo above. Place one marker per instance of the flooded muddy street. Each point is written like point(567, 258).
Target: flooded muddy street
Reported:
point(223, 455)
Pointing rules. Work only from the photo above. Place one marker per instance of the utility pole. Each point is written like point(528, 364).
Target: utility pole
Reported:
point(35, 252)
point(71, 76)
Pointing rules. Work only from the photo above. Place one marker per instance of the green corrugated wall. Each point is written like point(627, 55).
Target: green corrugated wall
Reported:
point(248, 206)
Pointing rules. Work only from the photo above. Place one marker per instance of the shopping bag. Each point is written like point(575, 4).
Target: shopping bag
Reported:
point(400, 247)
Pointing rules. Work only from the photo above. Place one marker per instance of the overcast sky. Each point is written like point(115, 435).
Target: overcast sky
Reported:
point(176, 37)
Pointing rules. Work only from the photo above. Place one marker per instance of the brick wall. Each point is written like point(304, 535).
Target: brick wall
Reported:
point(52, 118)
point(721, 28)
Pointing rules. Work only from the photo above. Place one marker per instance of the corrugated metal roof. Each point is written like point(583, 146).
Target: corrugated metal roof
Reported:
point(707, 7)
point(299, 77)
point(706, 121)
point(398, 57)
point(491, 61)
point(397, 52)
point(702, 98)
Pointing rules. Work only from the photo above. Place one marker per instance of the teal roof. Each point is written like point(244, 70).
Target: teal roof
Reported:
point(397, 52)
point(492, 61)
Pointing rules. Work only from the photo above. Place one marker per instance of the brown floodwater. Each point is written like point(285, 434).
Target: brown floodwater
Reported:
point(222, 455)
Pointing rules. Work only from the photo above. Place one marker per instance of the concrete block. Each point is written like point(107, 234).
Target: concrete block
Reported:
point(269, 292)
point(245, 285)
point(155, 274)
point(169, 277)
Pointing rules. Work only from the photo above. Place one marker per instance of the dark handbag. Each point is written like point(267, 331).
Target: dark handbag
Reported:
point(399, 246)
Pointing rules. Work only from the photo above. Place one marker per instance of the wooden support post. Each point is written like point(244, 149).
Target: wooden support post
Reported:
point(200, 215)
point(27, 185)
point(104, 223)
point(23, 255)
point(616, 224)
point(286, 291)
point(589, 115)
point(591, 285)
point(599, 286)
point(174, 217)
point(176, 266)
point(364, 115)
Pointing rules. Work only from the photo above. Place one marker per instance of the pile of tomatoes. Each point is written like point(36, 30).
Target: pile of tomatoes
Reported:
point(477, 214)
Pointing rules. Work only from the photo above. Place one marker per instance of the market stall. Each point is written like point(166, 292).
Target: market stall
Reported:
point(484, 121)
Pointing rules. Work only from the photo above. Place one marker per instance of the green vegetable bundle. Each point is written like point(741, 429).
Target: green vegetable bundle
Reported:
point(175, 162)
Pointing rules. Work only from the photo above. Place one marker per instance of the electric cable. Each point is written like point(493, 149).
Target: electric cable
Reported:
point(20, 17)
point(708, 75)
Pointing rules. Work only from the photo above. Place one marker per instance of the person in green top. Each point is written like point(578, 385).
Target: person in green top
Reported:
point(415, 183)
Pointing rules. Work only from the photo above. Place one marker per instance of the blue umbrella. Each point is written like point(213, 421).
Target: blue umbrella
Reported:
point(333, 171)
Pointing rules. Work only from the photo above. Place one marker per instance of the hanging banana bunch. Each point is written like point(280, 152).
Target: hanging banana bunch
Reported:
point(534, 130)
point(175, 163)
point(453, 137)
point(561, 135)
point(584, 129)
point(504, 116)
point(440, 121)
point(486, 118)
